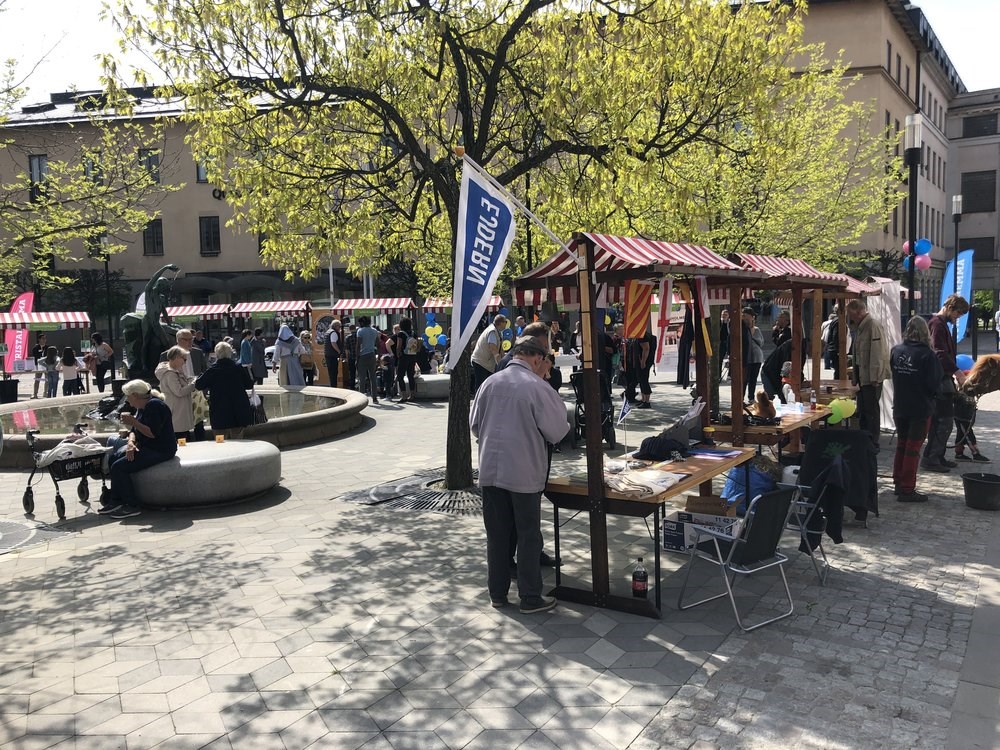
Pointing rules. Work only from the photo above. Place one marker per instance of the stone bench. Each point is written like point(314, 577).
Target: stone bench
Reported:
point(433, 387)
point(210, 473)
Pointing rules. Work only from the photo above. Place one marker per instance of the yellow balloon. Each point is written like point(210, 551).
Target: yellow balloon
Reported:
point(429, 330)
point(505, 345)
point(848, 407)
point(607, 320)
point(438, 330)
point(432, 340)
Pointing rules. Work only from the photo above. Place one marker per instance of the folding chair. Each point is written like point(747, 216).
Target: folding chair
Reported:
point(806, 518)
point(754, 549)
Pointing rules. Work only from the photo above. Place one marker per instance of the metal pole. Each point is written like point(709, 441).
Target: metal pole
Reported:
point(107, 300)
point(913, 157)
point(957, 218)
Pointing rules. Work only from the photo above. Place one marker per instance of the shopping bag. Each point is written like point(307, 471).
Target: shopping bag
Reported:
point(257, 413)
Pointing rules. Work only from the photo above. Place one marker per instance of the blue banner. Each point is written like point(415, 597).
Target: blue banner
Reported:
point(485, 235)
point(964, 285)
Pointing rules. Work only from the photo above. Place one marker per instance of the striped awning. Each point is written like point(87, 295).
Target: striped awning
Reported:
point(204, 312)
point(44, 320)
point(854, 288)
point(613, 253)
point(375, 304)
point(792, 270)
point(444, 305)
point(274, 307)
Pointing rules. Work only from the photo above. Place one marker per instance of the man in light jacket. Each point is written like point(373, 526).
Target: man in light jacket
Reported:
point(871, 366)
point(515, 412)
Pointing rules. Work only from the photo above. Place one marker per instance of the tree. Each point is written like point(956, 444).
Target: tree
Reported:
point(330, 124)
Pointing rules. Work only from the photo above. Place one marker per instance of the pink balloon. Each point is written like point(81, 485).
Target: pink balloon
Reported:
point(906, 248)
point(923, 262)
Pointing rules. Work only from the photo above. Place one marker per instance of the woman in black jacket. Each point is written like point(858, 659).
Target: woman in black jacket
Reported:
point(916, 377)
point(226, 384)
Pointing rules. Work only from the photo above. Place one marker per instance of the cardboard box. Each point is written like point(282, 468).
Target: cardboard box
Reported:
point(679, 533)
point(714, 505)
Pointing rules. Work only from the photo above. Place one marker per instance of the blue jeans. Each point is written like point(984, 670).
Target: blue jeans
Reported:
point(122, 488)
point(51, 383)
point(503, 512)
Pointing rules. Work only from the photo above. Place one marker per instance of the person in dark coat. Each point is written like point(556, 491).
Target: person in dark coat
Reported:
point(226, 384)
point(916, 377)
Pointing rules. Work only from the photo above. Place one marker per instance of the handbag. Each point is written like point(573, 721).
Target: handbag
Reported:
point(257, 413)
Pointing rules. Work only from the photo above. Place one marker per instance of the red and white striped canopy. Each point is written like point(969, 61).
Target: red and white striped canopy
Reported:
point(45, 319)
point(792, 270)
point(619, 253)
point(381, 304)
point(274, 307)
point(854, 288)
point(205, 312)
point(444, 304)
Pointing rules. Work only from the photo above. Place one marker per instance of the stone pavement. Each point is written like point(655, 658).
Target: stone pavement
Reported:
point(299, 621)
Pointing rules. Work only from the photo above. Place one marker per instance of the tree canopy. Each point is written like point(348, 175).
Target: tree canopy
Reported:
point(331, 123)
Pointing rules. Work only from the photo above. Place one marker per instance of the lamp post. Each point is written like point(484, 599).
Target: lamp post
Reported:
point(914, 153)
point(956, 217)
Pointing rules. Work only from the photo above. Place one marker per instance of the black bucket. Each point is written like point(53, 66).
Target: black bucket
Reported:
point(982, 491)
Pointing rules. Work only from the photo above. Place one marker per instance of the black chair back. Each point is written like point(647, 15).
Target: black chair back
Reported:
point(764, 524)
point(860, 463)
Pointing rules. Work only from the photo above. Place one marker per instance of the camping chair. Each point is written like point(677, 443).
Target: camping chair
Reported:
point(753, 549)
point(806, 519)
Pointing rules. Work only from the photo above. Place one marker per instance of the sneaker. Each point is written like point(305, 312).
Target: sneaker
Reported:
point(106, 510)
point(126, 511)
point(912, 497)
point(643, 405)
point(499, 603)
point(947, 463)
point(536, 604)
point(936, 468)
point(980, 457)
point(963, 457)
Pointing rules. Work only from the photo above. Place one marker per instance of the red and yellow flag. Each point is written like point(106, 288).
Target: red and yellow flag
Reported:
point(638, 302)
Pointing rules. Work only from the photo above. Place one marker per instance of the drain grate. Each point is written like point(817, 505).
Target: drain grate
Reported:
point(17, 535)
point(419, 492)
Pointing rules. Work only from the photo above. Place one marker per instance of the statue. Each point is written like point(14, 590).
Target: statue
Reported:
point(146, 337)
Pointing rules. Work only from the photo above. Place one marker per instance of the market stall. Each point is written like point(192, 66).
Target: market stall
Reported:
point(38, 322)
point(185, 315)
point(443, 305)
point(594, 266)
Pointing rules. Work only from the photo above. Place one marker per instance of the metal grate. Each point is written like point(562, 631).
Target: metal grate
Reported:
point(418, 492)
point(17, 535)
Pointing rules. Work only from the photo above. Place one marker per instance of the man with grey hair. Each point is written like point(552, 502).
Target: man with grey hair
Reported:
point(195, 364)
point(486, 354)
point(871, 366)
point(515, 412)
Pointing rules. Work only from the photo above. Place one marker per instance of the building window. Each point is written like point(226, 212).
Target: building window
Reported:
point(211, 239)
point(201, 171)
point(984, 248)
point(923, 98)
point(152, 238)
point(888, 57)
point(899, 65)
point(92, 169)
point(906, 87)
point(261, 239)
point(38, 172)
point(149, 158)
point(979, 192)
point(979, 125)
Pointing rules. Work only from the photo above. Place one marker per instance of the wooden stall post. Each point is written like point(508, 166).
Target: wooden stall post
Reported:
point(842, 332)
point(736, 357)
point(796, 374)
point(816, 345)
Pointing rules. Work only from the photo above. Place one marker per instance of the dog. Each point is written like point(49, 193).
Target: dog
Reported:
point(984, 377)
point(762, 405)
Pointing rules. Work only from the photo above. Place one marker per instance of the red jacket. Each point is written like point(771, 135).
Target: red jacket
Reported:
point(943, 344)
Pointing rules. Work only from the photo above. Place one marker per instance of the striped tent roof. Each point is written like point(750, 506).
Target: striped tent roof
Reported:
point(444, 304)
point(274, 307)
point(854, 288)
point(381, 304)
point(791, 270)
point(205, 312)
point(27, 320)
point(613, 253)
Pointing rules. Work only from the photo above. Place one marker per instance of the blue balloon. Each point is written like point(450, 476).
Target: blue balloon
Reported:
point(964, 362)
point(430, 317)
point(426, 339)
point(923, 246)
point(503, 311)
point(507, 334)
point(907, 262)
point(443, 340)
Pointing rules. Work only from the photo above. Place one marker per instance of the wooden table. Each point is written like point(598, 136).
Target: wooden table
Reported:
point(777, 434)
point(570, 493)
point(830, 390)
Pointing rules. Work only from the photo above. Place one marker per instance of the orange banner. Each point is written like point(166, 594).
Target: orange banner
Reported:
point(638, 302)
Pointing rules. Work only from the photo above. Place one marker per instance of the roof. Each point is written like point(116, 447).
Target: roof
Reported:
point(275, 307)
point(377, 304)
point(44, 320)
point(783, 273)
point(556, 278)
point(205, 312)
point(444, 304)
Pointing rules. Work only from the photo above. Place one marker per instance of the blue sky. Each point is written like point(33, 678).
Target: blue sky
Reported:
point(63, 38)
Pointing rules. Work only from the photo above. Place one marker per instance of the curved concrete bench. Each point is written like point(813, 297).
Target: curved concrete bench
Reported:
point(210, 473)
point(433, 387)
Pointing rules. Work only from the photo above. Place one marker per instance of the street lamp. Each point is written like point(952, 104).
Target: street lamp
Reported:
point(914, 152)
point(956, 216)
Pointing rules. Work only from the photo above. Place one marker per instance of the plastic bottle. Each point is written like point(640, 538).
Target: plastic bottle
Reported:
point(640, 580)
point(812, 401)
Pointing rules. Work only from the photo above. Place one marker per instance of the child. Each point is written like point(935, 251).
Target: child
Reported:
point(965, 418)
point(51, 365)
point(70, 373)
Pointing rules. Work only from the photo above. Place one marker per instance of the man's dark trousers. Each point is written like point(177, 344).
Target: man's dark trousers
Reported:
point(942, 423)
point(503, 513)
point(869, 418)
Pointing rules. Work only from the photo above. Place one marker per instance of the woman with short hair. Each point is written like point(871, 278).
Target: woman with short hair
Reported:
point(226, 384)
point(150, 441)
point(178, 390)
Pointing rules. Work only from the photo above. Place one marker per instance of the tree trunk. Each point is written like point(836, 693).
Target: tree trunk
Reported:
point(458, 472)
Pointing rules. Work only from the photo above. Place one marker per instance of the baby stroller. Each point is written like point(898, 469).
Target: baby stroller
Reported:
point(73, 458)
point(607, 413)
